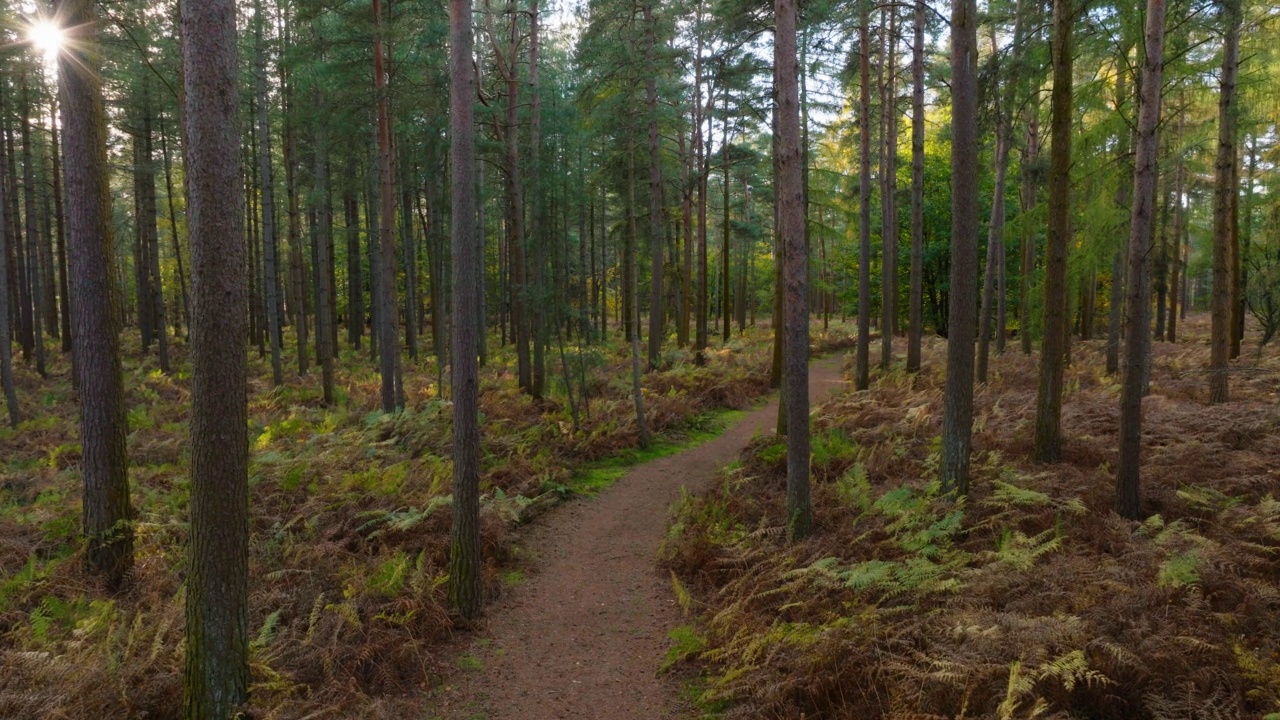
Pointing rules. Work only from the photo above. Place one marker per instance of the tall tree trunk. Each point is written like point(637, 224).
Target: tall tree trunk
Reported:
point(1179, 229)
point(324, 251)
point(216, 678)
point(537, 229)
point(633, 279)
point(888, 199)
point(108, 518)
point(355, 270)
point(1048, 432)
point(409, 248)
point(465, 563)
point(957, 419)
point(151, 234)
point(656, 315)
point(268, 198)
point(791, 215)
point(173, 226)
point(1137, 338)
point(31, 306)
point(725, 226)
point(60, 223)
point(915, 329)
point(862, 361)
point(1124, 196)
point(700, 158)
point(1223, 206)
point(389, 344)
point(6, 328)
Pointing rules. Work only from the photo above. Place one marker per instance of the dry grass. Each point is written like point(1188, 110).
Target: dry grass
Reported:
point(1031, 599)
point(349, 529)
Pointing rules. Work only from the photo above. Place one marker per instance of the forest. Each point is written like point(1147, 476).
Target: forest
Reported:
point(639, 359)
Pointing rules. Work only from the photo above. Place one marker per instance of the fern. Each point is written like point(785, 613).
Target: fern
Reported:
point(1015, 550)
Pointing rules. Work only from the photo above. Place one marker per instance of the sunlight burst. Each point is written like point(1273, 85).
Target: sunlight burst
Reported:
point(47, 37)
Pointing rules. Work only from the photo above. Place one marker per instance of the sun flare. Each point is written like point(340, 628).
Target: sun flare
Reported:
point(46, 37)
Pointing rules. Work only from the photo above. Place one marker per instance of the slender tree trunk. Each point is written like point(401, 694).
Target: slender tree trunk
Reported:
point(633, 279)
point(862, 360)
point(725, 225)
point(915, 328)
point(656, 315)
point(217, 666)
point(355, 271)
point(537, 227)
point(389, 344)
point(324, 251)
point(1179, 229)
point(147, 220)
point(888, 197)
point(31, 306)
point(173, 226)
point(1223, 206)
point(1137, 298)
point(1048, 432)
point(6, 328)
point(1124, 195)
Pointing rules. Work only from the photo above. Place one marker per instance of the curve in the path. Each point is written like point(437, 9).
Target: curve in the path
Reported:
point(584, 636)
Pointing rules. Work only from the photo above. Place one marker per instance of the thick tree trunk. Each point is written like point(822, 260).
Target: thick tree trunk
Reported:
point(862, 355)
point(1137, 338)
point(1223, 205)
point(791, 214)
point(216, 678)
point(1048, 432)
point(465, 563)
point(957, 419)
point(108, 519)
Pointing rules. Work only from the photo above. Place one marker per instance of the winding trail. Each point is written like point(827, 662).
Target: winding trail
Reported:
point(584, 636)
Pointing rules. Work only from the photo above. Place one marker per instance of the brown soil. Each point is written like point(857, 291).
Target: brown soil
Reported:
point(585, 635)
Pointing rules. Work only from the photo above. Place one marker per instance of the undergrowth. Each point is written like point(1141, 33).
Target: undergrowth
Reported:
point(1028, 599)
point(349, 525)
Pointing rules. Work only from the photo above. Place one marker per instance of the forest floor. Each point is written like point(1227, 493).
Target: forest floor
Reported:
point(1029, 599)
point(349, 519)
point(584, 636)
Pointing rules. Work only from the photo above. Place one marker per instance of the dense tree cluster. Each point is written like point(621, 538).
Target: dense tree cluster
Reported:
point(399, 178)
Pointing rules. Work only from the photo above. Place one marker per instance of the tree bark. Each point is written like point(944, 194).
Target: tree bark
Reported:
point(957, 419)
point(915, 324)
point(656, 316)
point(216, 677)
point(108, 518)
point(1048, 431)
point(1223, 206)
point(791, 215)
point(389, 344)
point(1137, 298)
point(465, 563)
point(862, 355)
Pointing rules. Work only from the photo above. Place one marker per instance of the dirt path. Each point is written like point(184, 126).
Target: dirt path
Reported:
point(585, 635)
